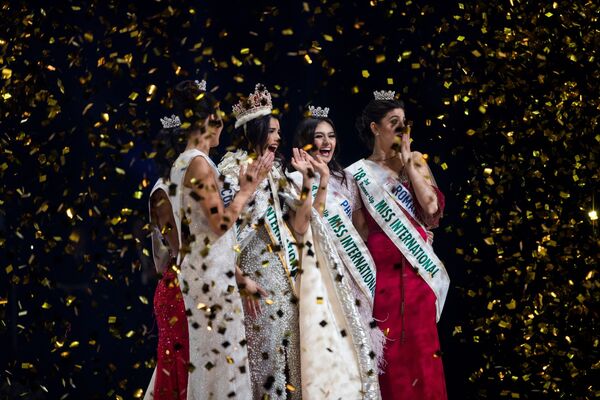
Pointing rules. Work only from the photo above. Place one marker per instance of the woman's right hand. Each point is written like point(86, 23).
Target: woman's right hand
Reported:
point(254, 173)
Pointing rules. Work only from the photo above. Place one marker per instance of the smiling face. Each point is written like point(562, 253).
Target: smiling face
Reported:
point(273, 136)
point(390, 126)
point(324, 141)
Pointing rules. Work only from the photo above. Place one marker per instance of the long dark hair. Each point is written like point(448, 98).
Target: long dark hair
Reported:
point(254, 134)
point(374, 112)
point(305, 135)
point(192, 106)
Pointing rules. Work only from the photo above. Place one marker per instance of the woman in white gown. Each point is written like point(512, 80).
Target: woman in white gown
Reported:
point(217, 341)
point(335, 199)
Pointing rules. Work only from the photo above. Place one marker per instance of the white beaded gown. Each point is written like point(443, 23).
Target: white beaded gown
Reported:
point(218, 352)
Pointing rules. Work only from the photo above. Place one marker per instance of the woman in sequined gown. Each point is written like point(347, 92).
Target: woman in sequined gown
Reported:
point(405, 305)
point(272, 330)
point(218, 357)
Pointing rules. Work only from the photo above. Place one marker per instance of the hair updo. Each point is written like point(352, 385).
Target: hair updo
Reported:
point(374, 112)
point(191, 105)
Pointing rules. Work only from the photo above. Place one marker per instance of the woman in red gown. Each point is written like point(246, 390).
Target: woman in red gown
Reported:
point(169, 381)
point(405, 304)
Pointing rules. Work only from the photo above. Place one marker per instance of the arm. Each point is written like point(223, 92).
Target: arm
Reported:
point(301, 218)
point(360, 223)
point(201, 178)
point(417, 172)
point(162, 216)
point(321, 167)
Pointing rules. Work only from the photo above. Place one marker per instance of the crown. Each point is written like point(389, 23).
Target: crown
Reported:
point(318, 112)
point(172, 122)
point(384, 94)
point(256, 105)
point(201, 85)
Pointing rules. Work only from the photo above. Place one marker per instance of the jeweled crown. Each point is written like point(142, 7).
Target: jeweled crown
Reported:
point(318, 112)
point(384, 94)
point(256, 105)
point(170, 122)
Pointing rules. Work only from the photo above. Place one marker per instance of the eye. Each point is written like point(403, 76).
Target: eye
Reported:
point(332, 135)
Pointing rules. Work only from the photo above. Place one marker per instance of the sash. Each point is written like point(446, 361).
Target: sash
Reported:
point(280, 233)
point(387, 211)
point(349, 244)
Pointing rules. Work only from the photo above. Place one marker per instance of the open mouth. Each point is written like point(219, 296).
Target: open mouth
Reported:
point(325, 151)
point(273, 147)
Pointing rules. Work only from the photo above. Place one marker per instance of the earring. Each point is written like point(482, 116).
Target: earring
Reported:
point(376, 133)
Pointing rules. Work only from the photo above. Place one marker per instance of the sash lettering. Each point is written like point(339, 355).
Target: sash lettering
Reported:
point(385, 206)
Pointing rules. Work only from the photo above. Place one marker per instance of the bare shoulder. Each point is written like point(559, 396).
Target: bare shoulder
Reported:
point(198, 170)
point(159, 196)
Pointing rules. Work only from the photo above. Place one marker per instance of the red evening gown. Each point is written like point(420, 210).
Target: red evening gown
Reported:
point(173, 343)
point(405, 310)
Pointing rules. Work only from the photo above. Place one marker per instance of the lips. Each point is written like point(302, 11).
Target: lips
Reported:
point(273, 147)
point(325, 152)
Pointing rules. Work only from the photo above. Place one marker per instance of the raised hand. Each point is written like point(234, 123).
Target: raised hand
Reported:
point(300, 161)
point(319, 165)
point(405, 152)
point(253, 174)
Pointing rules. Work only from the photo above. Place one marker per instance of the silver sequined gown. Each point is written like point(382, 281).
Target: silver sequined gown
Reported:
point(273, 336)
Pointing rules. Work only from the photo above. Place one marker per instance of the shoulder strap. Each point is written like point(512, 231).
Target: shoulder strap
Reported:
point(177, 177)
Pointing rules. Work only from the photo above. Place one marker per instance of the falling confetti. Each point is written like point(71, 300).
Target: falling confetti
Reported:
point(504, 95)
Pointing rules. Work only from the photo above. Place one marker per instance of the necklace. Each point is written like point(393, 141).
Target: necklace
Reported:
point(382, 159)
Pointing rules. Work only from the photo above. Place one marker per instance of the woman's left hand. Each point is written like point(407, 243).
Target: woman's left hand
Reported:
point(300, 161)
point(405, 152)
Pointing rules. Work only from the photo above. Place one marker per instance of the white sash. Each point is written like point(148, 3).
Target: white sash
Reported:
point(348, 242)
point(279, 232)
point(387, 211)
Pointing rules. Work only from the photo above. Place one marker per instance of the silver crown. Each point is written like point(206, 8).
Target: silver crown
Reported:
point(201, 85)
point(318, 112)
point(172, 122)
point(384, 94)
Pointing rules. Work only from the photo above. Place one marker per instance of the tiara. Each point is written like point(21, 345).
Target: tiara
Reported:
point(201, 85)
point(384, 94)
point(318, 112)
point(172, 122)
point(256, 105)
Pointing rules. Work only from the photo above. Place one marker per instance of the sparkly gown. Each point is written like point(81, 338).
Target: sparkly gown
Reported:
point(169, 381)
point(405, 309)
point(338, 360)
point(273, 336)
point(218, 354)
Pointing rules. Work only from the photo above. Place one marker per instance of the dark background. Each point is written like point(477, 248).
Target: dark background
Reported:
point(504, 99)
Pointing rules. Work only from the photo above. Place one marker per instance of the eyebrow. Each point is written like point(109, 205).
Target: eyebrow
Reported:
point(324, 132)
